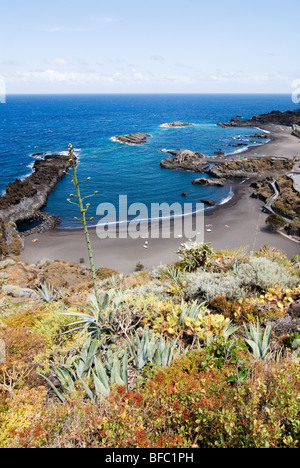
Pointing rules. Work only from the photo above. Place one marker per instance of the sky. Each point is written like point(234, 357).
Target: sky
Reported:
point(142, 46)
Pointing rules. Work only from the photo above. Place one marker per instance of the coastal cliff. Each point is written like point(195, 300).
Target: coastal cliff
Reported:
point(288, 118)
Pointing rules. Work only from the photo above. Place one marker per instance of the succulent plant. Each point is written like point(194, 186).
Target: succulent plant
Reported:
point(259, 342)
point(151, 349)
point(46, 292)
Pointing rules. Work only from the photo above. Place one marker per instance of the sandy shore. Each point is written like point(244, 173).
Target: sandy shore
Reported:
point(240, 222)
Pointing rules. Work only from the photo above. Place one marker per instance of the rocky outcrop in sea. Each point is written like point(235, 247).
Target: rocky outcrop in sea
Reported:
point(178, 124)
point(209, 182)
point(133, 138)
point(187, 160)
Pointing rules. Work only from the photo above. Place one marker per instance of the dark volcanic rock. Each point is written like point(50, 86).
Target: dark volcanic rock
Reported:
point(208, 202)
point(23, 199)
point(217, 171)
point(248, 168)
point(178, 124)
point(187, 160)
point(261, 135)
point(294, 310)
point(210, 182)
point(47, 222)
point(133, 138)
point(288, 118)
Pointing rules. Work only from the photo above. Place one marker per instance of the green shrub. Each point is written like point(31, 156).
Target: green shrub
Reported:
point(209, 285)
point(195, 256)
point(262, 273)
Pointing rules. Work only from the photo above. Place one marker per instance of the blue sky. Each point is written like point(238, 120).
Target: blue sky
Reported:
point(157, 46)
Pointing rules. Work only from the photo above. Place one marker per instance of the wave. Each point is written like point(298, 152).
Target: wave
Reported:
point(41, 155)
point(228, 198)
point(30, 166)
point(24, 177)
point(122, 142)
point(262, 130)
point(239, 150)
point(166, 125)
point(241, 138)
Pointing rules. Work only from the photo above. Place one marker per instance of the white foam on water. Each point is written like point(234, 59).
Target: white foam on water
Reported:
point(122, 142)
point(228, 198)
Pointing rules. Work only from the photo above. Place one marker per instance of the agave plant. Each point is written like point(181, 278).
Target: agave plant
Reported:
point(192, 310)
point(175, 275)
point(118, 375)
point(229, 330)
point(101, 317)
point(85, 360)
point(236, 267)
point(46, 292)
point(102, 379)
point(164, 353)
point(94, 320)
point(66, 377)
point(151, 349)
point(259, 342)
point(86, 364)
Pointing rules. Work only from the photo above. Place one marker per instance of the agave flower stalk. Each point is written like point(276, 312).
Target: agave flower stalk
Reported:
point(83, 210)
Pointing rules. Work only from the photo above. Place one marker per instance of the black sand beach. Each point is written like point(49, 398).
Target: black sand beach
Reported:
point(240, 222)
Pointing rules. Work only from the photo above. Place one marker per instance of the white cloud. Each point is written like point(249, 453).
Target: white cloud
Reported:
point(88, 80)
point(57, 61)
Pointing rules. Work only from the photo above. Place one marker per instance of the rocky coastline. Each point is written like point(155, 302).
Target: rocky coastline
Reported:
point(212, 182)
point(187, 160)
point(250, 168)
point(24, 199)
point(288, 118)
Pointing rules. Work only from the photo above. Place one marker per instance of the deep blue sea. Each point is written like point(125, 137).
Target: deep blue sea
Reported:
point(40, 124)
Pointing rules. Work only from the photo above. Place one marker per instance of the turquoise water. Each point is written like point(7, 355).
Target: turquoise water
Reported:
point(39, 124)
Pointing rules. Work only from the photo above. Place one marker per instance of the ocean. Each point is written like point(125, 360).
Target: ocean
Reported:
point(34, 124)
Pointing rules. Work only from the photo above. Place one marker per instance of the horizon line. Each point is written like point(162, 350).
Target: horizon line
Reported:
point(148, 93)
